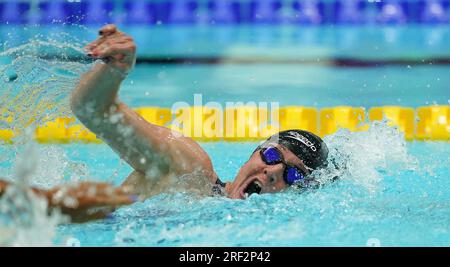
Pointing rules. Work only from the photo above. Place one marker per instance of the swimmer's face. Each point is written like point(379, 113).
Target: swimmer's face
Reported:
point(258, 177)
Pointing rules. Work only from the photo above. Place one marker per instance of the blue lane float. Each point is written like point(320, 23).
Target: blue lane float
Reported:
point(391, 12)
point(265, 11)
point(181, 12)
point(52, 12)
point(434, 12)
point(149, 12)
point(349, 12)
point(13, 12)
point(309, 12)
point(140, 12)
point(99, 11)
point(57, 11)
point(223, 12)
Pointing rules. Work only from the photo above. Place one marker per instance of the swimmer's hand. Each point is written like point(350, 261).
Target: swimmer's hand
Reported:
point(3, 185)
point(89, 201)
point(85, 201)
point(117, 49)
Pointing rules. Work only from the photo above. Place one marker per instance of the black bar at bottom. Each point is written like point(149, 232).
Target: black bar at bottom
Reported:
point(222, 255)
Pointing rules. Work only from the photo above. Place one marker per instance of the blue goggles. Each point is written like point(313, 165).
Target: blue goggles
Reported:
point(272, 156)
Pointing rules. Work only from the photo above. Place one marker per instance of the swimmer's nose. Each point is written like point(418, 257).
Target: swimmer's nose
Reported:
point(272, 173)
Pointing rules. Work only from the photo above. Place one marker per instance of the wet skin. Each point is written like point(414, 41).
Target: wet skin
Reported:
point(155, 153)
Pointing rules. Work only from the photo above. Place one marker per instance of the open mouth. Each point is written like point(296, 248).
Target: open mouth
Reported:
point(252, 188)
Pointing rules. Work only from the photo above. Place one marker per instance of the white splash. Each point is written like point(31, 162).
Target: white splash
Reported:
point(36, 79)
point(54, 167)
point(364, 157)
point(24, 217)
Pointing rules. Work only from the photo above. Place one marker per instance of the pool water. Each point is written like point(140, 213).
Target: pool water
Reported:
point(313, 86)
point(317, 83)
point(397, 195)
point(391, 192)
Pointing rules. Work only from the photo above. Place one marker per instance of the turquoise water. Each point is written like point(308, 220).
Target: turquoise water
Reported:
point(392, 193)
point(316, 84)
point(307, 42)
point(408, 208)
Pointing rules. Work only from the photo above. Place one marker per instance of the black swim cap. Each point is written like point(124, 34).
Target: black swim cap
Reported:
point(307, 146)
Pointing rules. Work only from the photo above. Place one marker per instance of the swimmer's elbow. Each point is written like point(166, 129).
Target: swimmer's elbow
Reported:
point(75, 105)
point(84, 109)
point(79, 109)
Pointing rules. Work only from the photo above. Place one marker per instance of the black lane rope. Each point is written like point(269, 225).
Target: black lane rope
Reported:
point(213, 60)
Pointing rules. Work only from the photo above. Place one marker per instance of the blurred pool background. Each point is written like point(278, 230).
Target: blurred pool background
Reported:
point(305, 53)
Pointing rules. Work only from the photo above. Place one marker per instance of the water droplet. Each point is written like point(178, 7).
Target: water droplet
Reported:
point(73, 242)
point(373, 242)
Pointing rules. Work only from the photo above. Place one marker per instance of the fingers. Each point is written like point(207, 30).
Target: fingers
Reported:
point(88, 48)
point(104, 201)
point(104, 39)
point(122, 38)
point(124, 189)
point(89, 194)
point(116, 49)
point(114, 46)
point(107, 30)
point(3, 184)
point(2, 188)
point(90, 189)
point(88, 214)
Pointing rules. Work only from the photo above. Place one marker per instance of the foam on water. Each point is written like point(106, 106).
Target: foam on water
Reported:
point(371, 194)
point(364, 157)
point(358, 206)
point(353, 211)
point(35, 88)
point(24, 217)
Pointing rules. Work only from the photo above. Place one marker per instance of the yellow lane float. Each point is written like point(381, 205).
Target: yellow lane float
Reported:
point(251, 123)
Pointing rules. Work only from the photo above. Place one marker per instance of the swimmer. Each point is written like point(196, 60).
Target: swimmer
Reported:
point(156, 153)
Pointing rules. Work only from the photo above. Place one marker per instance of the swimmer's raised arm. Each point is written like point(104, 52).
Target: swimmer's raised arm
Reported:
point(146, 147)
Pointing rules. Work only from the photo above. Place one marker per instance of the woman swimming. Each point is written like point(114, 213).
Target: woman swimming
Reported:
point(158, 154)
